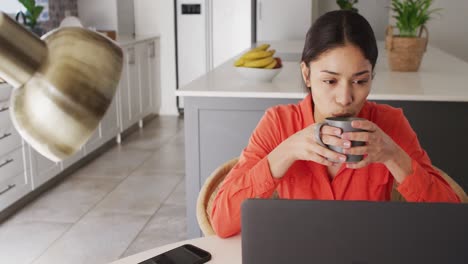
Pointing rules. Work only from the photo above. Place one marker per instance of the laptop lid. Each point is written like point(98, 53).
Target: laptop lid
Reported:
point(357, 232)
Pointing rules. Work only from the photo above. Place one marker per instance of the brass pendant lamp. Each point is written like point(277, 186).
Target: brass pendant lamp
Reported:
point(63, 84)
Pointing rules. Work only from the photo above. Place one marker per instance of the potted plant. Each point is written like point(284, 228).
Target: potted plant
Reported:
point(31, 15)
point(405, 50)
point(347, 5)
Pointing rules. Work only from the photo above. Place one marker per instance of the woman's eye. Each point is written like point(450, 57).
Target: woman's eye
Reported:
point(360, 82)
point(329, 81)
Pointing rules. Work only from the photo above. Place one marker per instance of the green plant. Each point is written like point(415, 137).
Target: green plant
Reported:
point(411, 15)
point(33, 12)
point(347, 5)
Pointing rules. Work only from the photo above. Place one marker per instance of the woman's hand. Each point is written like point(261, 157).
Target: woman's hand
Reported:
point(303, 146)
point(379, 148)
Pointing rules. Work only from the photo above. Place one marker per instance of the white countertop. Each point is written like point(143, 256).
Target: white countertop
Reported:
point(123, 40)
point(441, 77)
point(223, 251)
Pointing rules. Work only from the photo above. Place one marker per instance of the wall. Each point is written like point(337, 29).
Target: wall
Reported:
point(157, 17)
point(101, 14)
point(57, 10)
point(375, 11)
point(448, 31)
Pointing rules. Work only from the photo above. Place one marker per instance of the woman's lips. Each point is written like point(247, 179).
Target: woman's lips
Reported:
point(343, 115)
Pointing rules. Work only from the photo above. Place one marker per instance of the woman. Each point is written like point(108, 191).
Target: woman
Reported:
point(282, 155)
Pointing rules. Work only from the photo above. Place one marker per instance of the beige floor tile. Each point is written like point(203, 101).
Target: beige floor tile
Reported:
point(23, 242)
point(96, 238)
point(177, 197)
point(167, 226)
point(68, 201)
point(142, 194)
point(169, 158)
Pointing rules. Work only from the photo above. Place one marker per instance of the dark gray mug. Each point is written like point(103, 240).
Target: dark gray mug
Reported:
point(345, 124)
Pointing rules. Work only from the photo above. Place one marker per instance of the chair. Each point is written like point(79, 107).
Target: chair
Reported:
point(208, 193)
point(211, 186)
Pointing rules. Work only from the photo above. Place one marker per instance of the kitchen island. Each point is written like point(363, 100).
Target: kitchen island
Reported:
point(222, 109)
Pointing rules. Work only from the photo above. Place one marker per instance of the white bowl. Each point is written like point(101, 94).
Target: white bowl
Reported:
point(258, 75)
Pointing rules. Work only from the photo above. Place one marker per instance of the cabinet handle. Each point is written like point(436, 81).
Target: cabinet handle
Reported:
point(260, 10)
point(6, 162)
point(9, 187)
point(3, 109)
point(131, 56)
point(5, 136)
point(152, 51)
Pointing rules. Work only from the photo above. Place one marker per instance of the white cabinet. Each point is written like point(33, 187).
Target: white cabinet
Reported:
point(14, 162)
point(43, 169)
point(129, 90)
point(109, 125)
point(115, 15)
point(283, 20)
point(14, 177)
point(139, 88)
point(148, 62)
point(153, 102)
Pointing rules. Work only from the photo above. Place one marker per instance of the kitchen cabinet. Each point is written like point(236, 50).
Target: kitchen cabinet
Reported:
point(109, 126)
point(14, 177)
point(43, 169)
point(14, 165)
point(148, 62)
point(118, 15)
point(140, 83)
point(129, 90)
point(283, 20)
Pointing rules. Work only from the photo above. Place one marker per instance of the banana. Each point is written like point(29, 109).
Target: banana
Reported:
point(258, 54)
point(260, 63)
point(262, 47)
point(239, 62)
point(271, 65)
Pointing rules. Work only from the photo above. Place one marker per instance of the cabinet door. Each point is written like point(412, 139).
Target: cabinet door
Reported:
point(109, 124)
point(283, 20)
point(124, 94)
point(14, 177)
point(94, 141)
point(42, 168)
point(155, 76)
point(144, 53)
point(133, 85)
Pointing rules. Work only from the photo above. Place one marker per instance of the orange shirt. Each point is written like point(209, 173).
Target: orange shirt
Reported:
point(251, 176)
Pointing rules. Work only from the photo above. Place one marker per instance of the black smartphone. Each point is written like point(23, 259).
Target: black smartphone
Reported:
point(185, 254)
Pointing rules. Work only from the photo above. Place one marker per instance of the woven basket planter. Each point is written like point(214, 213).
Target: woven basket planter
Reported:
point(405, 53)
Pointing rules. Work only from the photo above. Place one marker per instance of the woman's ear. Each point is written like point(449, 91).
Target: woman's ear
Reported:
point(305, 74)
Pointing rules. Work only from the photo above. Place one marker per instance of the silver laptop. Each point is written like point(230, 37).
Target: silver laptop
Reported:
point(336, 232)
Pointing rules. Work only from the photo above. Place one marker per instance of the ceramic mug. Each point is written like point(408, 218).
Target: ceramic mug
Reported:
point(344, 123)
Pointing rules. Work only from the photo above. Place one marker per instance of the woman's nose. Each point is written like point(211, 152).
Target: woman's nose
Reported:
point(344, 95)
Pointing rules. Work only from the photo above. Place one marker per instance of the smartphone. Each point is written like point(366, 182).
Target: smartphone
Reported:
point(185, 254)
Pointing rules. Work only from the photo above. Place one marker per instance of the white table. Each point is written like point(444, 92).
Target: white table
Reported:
point(223, 251)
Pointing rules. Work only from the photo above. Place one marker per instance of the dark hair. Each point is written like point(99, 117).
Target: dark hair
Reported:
point(337, 28)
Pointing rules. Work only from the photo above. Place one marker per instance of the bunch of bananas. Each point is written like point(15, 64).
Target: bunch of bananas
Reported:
point(259, 57)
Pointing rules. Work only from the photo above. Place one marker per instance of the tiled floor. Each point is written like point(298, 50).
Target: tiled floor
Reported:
point(130, 199)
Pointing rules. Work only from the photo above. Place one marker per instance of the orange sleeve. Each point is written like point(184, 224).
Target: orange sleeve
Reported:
point(425, 184)
point(249, 178)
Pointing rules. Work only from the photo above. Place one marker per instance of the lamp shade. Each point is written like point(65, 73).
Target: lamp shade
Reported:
point(63, 84)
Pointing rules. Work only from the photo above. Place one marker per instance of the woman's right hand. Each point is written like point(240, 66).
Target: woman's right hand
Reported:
point(303, 146)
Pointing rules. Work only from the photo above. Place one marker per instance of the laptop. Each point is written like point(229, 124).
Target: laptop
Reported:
point(354, 232)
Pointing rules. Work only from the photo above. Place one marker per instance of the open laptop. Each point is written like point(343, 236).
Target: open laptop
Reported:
point(336, 232)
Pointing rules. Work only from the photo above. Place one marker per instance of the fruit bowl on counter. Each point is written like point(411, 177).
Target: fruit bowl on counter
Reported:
point(258, 64)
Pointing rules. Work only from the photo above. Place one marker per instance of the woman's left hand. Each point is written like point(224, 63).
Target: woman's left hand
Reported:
point(379, 146)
